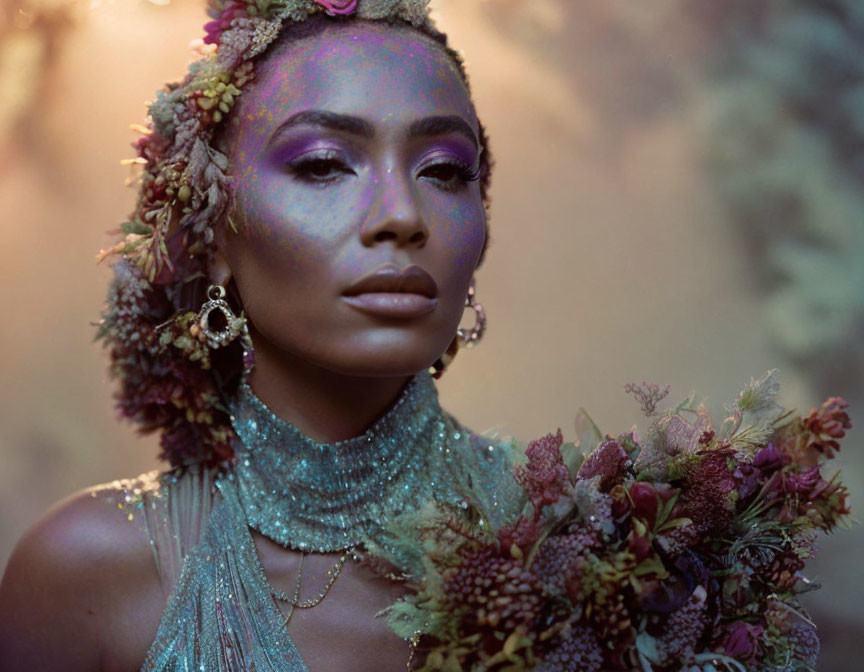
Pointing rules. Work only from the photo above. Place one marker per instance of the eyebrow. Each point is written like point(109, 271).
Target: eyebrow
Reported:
point(331, 120)
point(431, 126)
point(426, 127)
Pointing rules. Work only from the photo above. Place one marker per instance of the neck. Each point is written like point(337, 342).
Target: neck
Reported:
point(325, 406)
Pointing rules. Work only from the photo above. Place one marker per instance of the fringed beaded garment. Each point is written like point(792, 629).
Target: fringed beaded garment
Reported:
point(222, 614)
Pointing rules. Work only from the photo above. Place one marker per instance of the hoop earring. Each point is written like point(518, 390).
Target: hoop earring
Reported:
point(234, 326)
point(471, 337)
point(466, 337)
point(438, 368)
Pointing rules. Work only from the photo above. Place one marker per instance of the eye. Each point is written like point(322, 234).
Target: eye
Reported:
point(450, 175)
point(319, 168)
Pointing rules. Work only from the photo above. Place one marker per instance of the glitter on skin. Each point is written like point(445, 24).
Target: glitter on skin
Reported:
point(303, 242)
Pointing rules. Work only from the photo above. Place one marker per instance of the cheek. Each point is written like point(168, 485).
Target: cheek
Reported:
point(281, 223)
point(464, 235)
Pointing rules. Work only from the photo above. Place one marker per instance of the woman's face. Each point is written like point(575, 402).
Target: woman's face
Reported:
point(358, 213)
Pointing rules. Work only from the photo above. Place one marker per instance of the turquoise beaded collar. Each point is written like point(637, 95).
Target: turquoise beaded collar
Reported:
point(322, 497)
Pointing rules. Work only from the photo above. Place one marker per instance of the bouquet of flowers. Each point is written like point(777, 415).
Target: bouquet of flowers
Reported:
point(678, 550)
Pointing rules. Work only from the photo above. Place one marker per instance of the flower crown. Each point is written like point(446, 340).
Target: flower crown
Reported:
point(184, 186)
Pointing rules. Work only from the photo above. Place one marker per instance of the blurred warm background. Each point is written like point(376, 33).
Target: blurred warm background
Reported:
point(678, 199)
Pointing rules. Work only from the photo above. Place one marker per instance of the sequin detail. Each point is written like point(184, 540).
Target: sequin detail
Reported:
point(322, 497)
point(221, 614)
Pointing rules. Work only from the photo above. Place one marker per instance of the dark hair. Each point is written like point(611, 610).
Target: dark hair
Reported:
point(170, 381)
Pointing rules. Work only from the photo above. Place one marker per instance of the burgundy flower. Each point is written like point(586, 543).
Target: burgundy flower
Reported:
point(742, 640)
point(621, 504)
point(525, 533)
point(545, 477)
point(213, 29)
point(609, 461)
point(639, 546)
point(706, 496)
point(338, 7)
point(645, 501)
point(827, 424)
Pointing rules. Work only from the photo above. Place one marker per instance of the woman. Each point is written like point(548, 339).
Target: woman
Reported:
point(326, 170)
point(310, 218)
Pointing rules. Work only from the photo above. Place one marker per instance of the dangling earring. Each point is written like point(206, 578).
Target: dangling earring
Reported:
point(466, 337)
point(234, 326)
point(471, 337)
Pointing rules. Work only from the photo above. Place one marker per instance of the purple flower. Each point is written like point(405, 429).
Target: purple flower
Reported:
point(769, 459)
point(338, 7)
point(747, 477)
point(808, 483)
point(741, 640)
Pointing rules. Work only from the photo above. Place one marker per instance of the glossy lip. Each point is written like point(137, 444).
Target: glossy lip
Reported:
point(392, 304)
point(390, 279)
point(390, 291)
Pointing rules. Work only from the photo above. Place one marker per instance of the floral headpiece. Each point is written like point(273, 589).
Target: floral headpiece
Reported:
point(183, 187)
point(170, 380)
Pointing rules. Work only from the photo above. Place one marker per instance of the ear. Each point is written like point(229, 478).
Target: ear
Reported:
point(220, 271)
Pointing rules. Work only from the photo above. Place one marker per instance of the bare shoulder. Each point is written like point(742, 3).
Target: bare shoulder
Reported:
point(81, 589)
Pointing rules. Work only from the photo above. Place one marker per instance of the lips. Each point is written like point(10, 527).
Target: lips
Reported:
point(394, 293)
point(390, 279)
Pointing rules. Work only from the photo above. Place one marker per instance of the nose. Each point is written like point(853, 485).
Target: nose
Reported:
point(395, 215)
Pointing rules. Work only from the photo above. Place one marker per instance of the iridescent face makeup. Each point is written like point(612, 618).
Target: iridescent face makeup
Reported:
point(360, 218)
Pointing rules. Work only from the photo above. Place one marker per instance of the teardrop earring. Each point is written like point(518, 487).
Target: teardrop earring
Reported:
point(473, 336)
point(235, 327)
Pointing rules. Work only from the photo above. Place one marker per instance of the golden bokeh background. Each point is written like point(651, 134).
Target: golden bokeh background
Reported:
point(626, 243)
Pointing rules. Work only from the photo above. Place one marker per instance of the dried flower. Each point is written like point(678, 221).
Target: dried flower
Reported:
point(683, 629)
point(545, 477)
point(648, 395)
point(828, 424)
point(741, 640)
point(609, 461)
point(213, 29)
point(709, 482)
point(576, 651)
point(524, 534)
point(681, 572)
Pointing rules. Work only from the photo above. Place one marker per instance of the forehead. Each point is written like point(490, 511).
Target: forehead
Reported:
point(382, 73)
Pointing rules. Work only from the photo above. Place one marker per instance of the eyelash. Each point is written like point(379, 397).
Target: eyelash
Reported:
point(464, 174)
point(304, 168)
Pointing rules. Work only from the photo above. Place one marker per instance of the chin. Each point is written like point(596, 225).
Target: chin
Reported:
point(389, 359)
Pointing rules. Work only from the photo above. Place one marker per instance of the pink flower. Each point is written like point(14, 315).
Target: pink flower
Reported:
point(338, 7)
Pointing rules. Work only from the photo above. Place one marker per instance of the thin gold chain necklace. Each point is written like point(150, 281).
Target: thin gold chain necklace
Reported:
point(295, 601)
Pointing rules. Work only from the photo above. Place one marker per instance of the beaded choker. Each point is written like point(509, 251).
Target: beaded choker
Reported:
point(322, 497)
